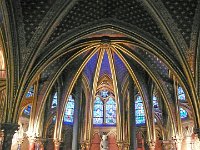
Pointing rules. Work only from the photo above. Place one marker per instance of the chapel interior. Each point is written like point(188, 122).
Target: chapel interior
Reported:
point(99, 74)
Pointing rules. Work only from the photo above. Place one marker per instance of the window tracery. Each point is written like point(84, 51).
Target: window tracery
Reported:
point(69, 111)
point(139, 111)
point(182, 97)
point(183, 113)
point(54, 101)
point(27, 110)
point(104, 110)
point(181, 94)
point(30, 93)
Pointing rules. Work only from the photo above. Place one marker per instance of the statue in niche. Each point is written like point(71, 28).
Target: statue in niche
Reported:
point(104, 143)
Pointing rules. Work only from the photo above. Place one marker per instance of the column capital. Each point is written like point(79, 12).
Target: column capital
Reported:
point(9, 127)
point(31, 139)
point(120, 144)
point(177, 139)
point(167, 144)
point(188, 131)
point(82, 146)
point(57, 142)
point(152, 144)
point(87, 145)
point(126, 146)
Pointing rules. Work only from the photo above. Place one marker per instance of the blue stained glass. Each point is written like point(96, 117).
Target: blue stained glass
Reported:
point(30, 92)
point(155, 102)
point(69, 111)
point(139, 111)
point(181, 94)
point(104, 93)
point(183, 113)
point(27, 110)
point(54, 119)
point(54, 101)
point(98, 111)
point(110, 111)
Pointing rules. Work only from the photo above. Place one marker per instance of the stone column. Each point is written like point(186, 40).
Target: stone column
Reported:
point(132, 130)
point(9, 130)
point(76, 115)
point(56, 144)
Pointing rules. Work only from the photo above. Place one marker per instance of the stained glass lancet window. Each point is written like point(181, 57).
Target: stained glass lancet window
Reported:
point(181, 97)
point(181, 94)
point(27, 110)
point(155, 102)
point(30, 92)
point(139, 111)
point(69, 111)
point(98, 111)
point(54, 119)
point(183, 113)
point(54, 101)
point(110, 111)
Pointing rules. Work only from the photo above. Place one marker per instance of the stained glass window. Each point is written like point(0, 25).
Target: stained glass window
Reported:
point(155, 102)
point(30, 92)
point(69, 111)
point(110, 111)
point(104, 93)
point(139, 111)
point(98, 111)
point(181, 94)
point(27, 110)
point(183, 113)
point(54, 119)
point(54, 101)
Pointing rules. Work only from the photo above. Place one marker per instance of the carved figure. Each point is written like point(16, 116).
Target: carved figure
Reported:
point(104, 143)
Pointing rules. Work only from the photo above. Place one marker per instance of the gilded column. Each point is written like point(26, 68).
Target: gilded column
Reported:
point(9, 130)
point(32, 141)
point(56, 144)
point(132, 116)
point(76, 115)
point(152, 145)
